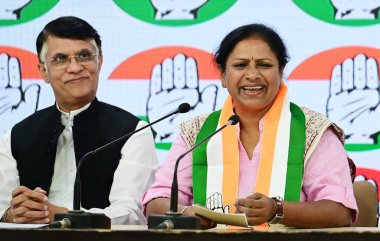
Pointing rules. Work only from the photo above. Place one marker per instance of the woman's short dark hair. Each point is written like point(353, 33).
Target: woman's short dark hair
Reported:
point(251, 30)
point(68, 27)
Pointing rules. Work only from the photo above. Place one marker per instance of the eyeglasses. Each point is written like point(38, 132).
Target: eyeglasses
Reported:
point(63, 61)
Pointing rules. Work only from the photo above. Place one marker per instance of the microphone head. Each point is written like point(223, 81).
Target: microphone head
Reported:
point(183, 108)
point(234, 119)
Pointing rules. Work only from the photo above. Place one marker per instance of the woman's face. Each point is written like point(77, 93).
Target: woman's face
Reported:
point(252, 76)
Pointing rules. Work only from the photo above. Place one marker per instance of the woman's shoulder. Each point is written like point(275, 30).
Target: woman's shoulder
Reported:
point(318, 122)
point(312, 115)
point(189, 129)
point(316, 125)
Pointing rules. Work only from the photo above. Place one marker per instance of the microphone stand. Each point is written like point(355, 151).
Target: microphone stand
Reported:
point(80, 219)
point(174, 219)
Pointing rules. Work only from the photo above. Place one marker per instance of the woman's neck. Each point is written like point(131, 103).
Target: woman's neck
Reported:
point(249, 131)
point(249, 119)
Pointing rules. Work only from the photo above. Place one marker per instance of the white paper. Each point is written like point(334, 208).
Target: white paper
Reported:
point(16, 225)
point(236, 219)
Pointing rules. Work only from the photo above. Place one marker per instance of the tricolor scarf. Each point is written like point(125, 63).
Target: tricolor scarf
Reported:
point(280, 171)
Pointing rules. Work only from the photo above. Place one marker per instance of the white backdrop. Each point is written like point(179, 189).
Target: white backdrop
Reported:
point(331, 43)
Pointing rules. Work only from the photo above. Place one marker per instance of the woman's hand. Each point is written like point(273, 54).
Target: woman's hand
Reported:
point(257, 207)
point(204, 222)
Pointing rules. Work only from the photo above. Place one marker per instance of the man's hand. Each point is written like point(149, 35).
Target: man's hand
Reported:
point(177, 10)
point(29, 206)
point(52, 209)
point(14, 100)
point(173, 82)
point(215, 203)
point(257, 207)
point(32, 206)
point(354, 98)
point(356, 9)
point(10, 10)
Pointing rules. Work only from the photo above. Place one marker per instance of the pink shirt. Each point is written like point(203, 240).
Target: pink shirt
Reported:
point(326, 176)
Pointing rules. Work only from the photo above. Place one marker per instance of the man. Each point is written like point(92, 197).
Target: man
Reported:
point(38, 157)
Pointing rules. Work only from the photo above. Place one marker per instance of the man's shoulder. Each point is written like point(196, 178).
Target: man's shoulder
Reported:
point(112, 110)
point(39, 116)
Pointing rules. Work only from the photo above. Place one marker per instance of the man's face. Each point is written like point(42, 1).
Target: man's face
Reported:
point(75, 80)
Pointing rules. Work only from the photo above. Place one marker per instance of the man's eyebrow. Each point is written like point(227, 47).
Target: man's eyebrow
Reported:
point(59, 54)
point(84, 50)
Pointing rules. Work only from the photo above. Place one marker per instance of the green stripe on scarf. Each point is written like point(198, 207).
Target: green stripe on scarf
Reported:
point(200, 158)
point(295, 157)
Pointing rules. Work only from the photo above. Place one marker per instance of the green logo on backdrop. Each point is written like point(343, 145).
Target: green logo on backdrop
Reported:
point(175, 13)
point(342, 12)
point(21, 11)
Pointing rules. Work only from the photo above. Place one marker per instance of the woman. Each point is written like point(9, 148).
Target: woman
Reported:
point(280, 164)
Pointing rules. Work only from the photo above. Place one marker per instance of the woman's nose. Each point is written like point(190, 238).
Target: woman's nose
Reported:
point(252, 73)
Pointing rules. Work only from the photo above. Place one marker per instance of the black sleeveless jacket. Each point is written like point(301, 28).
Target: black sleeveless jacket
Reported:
point(34, 145)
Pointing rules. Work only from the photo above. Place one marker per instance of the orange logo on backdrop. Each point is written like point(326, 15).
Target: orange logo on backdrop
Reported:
point(319, 67)
point(140, 65)
point(28, 61)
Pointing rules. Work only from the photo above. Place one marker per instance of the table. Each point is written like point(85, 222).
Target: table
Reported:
point(140, 233)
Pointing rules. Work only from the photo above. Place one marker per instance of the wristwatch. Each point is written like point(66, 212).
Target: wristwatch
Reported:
point(279, 211)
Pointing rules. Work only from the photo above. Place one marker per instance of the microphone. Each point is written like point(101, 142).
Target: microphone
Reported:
point(173, 217)
point(81, 219)
point(64, 223)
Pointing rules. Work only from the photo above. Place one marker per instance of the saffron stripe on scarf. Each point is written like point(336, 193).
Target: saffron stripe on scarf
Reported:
point(200, 159)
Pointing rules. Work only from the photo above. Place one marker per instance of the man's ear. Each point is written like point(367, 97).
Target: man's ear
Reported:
point(100, 62)
point(43, 71)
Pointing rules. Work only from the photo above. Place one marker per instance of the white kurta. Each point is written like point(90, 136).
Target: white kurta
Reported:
point(134, 174)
